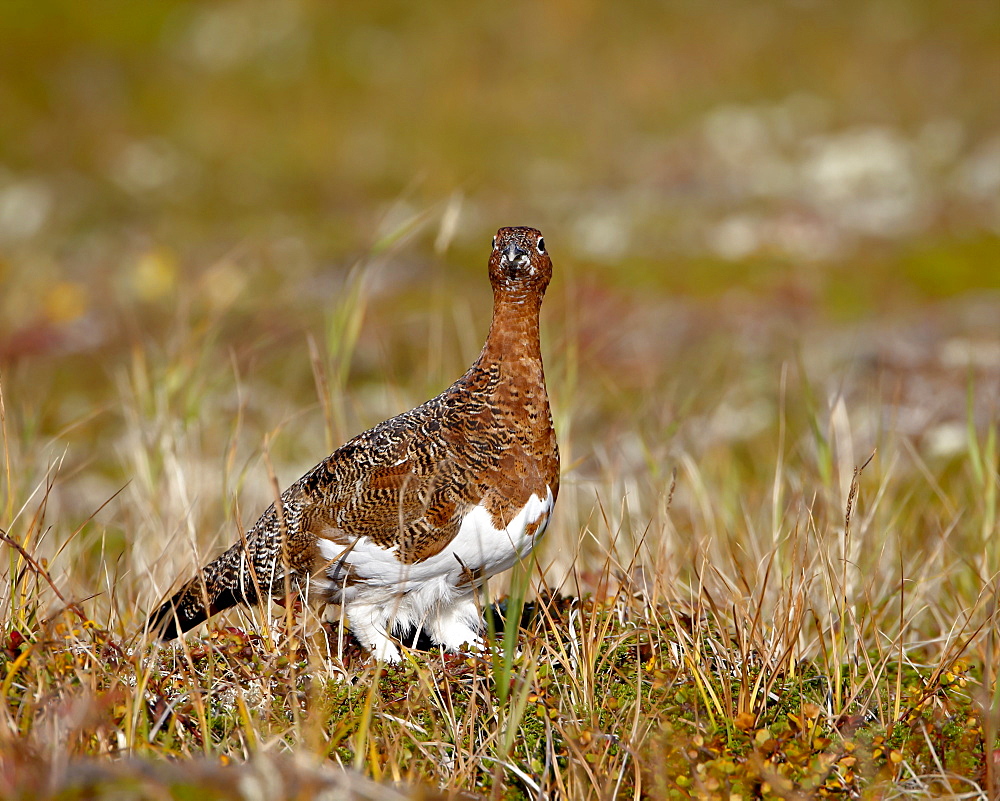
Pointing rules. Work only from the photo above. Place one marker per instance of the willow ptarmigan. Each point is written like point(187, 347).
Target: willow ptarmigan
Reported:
point(404, 523)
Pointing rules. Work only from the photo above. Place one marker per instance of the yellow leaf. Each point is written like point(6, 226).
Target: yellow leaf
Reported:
point(65, 301)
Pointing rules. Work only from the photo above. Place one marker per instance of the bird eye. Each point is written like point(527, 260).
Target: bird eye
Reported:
point(541, 245)
point(494, 243)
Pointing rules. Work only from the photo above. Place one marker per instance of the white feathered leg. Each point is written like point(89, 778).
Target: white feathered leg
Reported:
point(368, 624)
point(455, 624)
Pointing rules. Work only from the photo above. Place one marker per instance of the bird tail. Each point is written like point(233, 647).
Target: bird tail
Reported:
point(217, 588)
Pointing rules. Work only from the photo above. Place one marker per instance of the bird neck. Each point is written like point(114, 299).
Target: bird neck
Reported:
point(513, 340)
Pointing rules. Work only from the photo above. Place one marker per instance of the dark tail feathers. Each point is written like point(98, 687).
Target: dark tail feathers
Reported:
point(186, 609)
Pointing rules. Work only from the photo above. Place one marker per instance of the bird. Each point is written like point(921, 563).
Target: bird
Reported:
point(402, 525)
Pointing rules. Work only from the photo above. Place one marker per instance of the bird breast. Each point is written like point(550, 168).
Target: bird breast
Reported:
point(478, 551)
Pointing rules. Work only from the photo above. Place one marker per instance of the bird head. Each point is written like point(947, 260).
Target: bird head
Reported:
point(519, 263)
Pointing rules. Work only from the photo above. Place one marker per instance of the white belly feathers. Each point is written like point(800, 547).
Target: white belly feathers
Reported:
point(478, 547)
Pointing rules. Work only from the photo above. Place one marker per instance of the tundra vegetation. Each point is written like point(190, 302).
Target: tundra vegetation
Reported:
point(233, 235)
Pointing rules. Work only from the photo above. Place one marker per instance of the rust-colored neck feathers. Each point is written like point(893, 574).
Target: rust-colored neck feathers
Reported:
point(511, 363)
point(520, 270)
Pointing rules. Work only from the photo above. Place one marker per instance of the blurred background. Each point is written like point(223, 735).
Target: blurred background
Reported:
point(252, 227)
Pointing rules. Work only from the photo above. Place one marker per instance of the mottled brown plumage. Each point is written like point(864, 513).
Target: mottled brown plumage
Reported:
point(404, 522)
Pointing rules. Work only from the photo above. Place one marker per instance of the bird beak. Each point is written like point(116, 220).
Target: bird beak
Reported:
point(513, 254)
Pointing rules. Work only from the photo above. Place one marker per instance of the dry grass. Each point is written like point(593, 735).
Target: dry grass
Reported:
point(756, 585)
